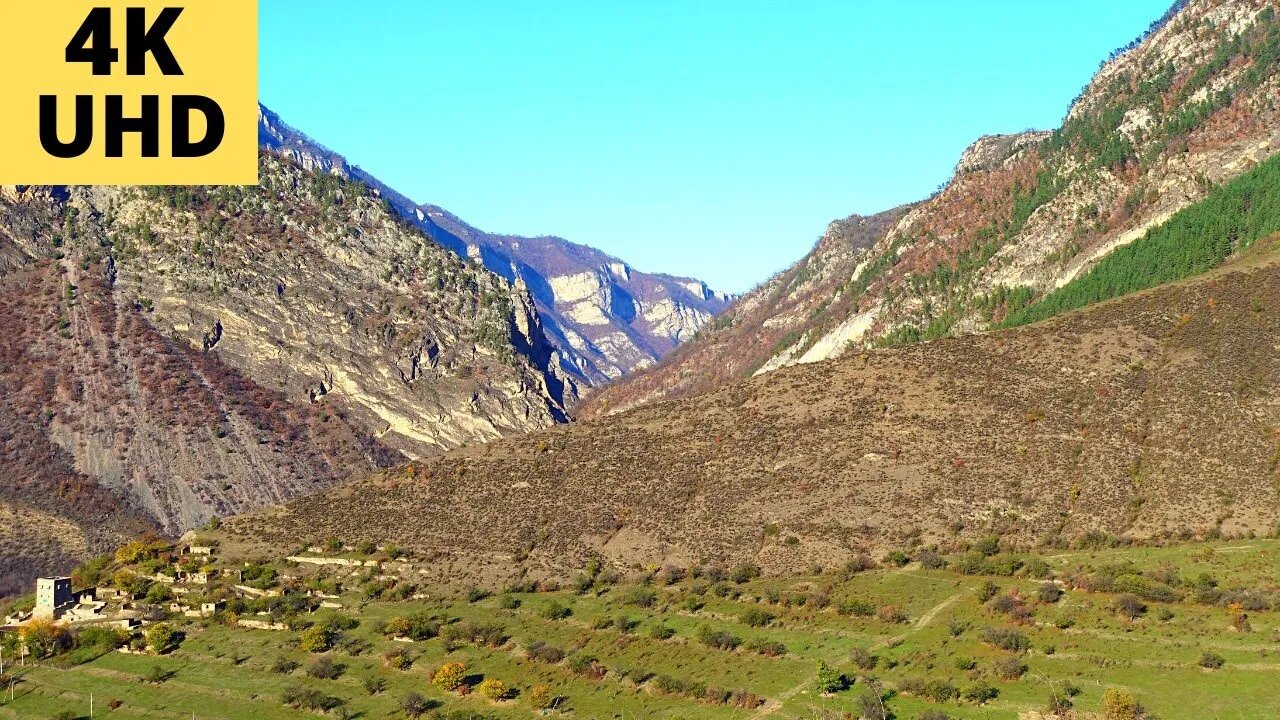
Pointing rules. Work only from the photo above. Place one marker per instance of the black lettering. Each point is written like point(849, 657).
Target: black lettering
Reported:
point(183, 145)
point(83, 138)
point(142, 41)
point(92, 42)
point(148, 125)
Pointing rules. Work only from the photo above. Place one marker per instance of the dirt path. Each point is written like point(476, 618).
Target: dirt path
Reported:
point(774, 705)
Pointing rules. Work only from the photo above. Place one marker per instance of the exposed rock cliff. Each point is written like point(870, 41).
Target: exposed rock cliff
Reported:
point(606, 318)
point(190, 352)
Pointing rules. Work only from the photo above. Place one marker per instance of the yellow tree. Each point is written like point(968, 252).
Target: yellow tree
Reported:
point(44, 638)
point(450, 676)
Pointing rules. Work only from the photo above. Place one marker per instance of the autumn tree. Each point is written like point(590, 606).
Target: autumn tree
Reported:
point(450, 676)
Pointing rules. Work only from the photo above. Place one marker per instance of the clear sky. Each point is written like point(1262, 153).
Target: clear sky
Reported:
point(713, 138)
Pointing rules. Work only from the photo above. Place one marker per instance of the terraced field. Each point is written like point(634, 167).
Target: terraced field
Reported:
point(923, 638)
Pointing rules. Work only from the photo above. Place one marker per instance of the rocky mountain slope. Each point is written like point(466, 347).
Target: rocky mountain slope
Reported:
point(184, 353)
point(1154, 414)
point(1192, 104)
point(606, 318)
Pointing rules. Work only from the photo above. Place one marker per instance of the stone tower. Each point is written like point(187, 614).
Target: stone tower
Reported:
point(53, 595)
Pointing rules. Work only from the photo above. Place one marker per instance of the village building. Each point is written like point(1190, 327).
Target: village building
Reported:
point(53, 598)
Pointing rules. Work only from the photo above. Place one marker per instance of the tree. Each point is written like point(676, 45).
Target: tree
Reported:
point(492, 688)
point(317, 639)
point(162, 638)
point(539, 697)
point(871, 703)
point(1120, 705)
point(45, 638)
point(829, 679)
point(414, 705)
point(450, 676)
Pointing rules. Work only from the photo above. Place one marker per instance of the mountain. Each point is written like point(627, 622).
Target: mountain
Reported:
point(1188, 107)
point(606, 318)
point(1153, 415)
point(175, 354)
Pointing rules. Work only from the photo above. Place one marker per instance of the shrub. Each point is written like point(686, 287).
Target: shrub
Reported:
point(492, 688)
point(542, 652)
point(756, 617)
point(718, 639)
point(325, 668)
point(450, 676)
point(668, 685)
point(1049, 593)
point(554, 610)
point(931, 560)
point(980, 692)
point(1036, 568)
point(1010, 668)
point(987, 591)
point(768, 648)
point(486, 634)
point(584, 664)
point(864, 659)
point(283, 666)
point(308, 699)
point(939, 691)
point(1120, 705)
point(871, 706)
point(1212, 661)
point(661, 632)
point(1130, 606)
point(414, 705)
point(897, 558)
point(745, 573)
point(317, 639)
point(539, 697)
point(891, 614)
point(641, 596)
point(1006, 639)
point(374, 684)
point(856, 608)
point(509, 602)
point(398, 659)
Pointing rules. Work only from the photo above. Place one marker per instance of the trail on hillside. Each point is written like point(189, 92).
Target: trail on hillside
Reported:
point(774, 705)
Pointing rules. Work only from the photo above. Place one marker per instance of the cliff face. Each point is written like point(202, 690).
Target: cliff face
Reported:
point(173, 354)
point(606, 319)
point(1191, 105)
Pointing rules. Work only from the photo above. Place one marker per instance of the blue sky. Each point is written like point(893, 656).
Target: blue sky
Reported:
point(712, 138)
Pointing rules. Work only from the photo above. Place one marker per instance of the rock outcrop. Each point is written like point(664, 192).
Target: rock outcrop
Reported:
point(174, 354)
point(606, 318)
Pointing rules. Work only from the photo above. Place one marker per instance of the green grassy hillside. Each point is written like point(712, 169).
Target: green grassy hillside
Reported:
point(984, 634)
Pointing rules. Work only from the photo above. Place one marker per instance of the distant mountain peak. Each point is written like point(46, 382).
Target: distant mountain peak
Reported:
point(606, 318)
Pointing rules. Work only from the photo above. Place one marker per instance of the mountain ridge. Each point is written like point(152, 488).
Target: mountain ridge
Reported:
point(1191, 104)
point(606, 318)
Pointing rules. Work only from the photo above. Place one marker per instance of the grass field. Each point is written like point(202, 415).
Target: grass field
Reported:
point(1078, 642)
